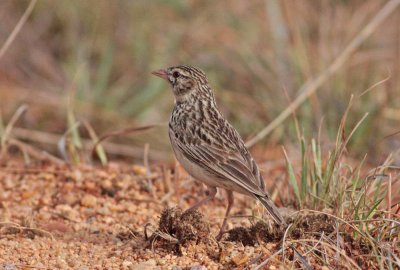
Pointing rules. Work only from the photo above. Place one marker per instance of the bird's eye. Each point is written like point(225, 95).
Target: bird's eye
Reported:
point(175, 74)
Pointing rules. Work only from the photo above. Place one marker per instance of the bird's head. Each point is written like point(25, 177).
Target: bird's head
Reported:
point(187, 82)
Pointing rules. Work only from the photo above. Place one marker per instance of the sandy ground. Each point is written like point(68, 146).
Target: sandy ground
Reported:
point(128, 217)
point(95, 218)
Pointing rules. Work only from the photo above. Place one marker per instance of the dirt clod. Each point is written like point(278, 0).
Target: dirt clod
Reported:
point(304, 224)
point(186, 226)
point(241, 234)
point(264, 232)
point(257, 233)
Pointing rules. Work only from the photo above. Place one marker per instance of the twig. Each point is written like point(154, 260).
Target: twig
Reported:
point(126, 131)
point(7, 131)
point(268, 259)
point(313, 85)
point(302, 258)
point(252, 261)
point(376, 84)
point(17, 28)
point(62, 142)
point(111, 148)
point(316, 244)
point(334, 248)
point(39, 154)
point(99, 148)
point(146, 159)
point(389, 195)
point(149, 184)
point(9, 224)
point(283, 241)
point(166, 179)
point(25, 229)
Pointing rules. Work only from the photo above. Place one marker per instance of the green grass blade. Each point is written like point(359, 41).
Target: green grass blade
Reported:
point(304, 171)
point(292, 177)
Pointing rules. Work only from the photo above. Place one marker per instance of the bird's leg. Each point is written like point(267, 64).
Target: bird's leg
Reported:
point(228, 210)
point(212, 191)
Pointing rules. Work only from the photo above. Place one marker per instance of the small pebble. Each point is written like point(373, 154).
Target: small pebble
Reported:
point(198, 267)
point(89, 200)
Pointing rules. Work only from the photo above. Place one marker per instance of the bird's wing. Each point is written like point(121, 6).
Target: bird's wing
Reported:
point(235, 164)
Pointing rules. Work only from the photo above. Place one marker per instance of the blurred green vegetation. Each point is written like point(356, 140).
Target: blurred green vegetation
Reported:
point(256, 54)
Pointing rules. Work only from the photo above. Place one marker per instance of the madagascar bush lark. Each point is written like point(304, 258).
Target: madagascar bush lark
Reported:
point(207, 146)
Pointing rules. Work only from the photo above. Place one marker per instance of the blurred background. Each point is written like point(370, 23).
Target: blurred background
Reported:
point(90, 61)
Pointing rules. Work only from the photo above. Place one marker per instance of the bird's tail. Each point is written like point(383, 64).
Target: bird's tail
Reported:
point(270, 206)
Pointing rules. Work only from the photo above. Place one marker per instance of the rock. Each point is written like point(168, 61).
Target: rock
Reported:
point(108, 220)
point(139, 170)
point(90, 185)
point(70, 199)
point(108, 188)
point(52, 226)
point(240, 259)
point(67, 211)
point(9, 266)
point(107, 184)
point(198, 267)
point(9, 183)
point(147, 265)
point(126, 264)
point(89, 200)
point(27, 195)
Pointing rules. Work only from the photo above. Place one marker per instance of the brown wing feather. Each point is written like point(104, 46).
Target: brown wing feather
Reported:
point(224, 163)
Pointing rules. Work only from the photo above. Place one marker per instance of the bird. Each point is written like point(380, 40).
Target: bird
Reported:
point(207, 146)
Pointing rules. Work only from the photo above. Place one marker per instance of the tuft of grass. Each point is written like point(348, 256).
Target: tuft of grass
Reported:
point(330, 182)
point(333, 185)
point(70, 144)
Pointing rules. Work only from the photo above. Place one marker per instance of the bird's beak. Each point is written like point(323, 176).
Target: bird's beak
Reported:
point(162, 73)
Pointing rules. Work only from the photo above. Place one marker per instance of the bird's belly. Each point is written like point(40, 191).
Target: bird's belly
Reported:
point(200, 174)
point(197, 172)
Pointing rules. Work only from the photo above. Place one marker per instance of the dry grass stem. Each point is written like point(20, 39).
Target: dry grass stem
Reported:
point(313, 85)
point(333, 248)
point(17, 28)
point(261, 265)
point(7, 131)
point(110, 147)
point(36, 153)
